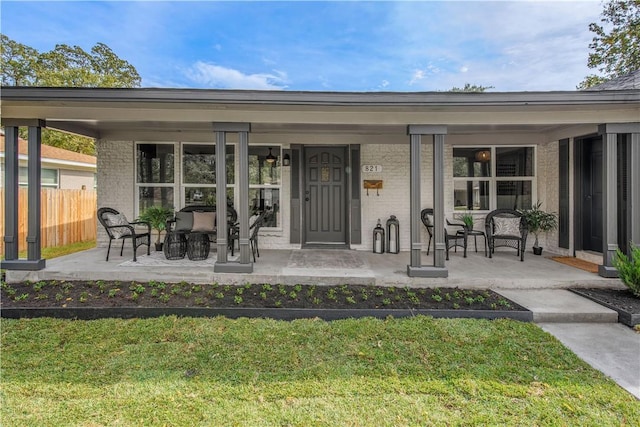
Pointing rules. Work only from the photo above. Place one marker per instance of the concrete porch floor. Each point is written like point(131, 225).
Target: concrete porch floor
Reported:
point(318, 266)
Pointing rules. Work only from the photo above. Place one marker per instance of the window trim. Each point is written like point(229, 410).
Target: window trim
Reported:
point(137, 185)
point(493, 178)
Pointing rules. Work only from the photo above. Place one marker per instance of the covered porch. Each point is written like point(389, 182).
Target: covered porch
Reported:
point(318, 266)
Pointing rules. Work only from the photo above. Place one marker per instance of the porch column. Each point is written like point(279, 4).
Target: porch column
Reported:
point(34, 259)
point(416, 269)
point(634, 188)
point(222, 264)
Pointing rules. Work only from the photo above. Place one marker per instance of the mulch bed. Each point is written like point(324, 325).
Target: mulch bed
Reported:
point(621, 300)
point(160, 294)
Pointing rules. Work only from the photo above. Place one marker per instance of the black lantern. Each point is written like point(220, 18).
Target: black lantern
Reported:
point(393, 235)
point(378, 239)
point(270, 157)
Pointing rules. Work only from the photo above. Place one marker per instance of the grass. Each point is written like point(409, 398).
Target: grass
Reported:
point(189, 372)
point(48, 253)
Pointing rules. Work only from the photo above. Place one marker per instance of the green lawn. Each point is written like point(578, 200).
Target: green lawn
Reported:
point(254, 372)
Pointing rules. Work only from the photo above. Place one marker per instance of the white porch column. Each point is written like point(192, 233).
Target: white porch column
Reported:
point(223, 265)
point(415, 268)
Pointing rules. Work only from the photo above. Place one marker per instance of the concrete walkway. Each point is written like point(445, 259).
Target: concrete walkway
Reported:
point(588, 329)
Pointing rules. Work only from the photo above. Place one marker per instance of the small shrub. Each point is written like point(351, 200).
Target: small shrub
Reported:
point(629, 268)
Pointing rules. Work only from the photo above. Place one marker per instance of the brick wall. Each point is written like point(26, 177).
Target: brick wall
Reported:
point(116, 180)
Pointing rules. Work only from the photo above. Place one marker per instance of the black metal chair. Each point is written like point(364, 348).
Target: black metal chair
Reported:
point(118, 227)
point(455, 235)
point(506, 227)
point(264, 217)
point(426, 215)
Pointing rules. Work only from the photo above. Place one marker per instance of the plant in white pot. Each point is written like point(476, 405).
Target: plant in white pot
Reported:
point(157, 217)
point(539, 221)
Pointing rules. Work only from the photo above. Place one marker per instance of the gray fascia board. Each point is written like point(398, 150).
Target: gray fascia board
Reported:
point(191, 96)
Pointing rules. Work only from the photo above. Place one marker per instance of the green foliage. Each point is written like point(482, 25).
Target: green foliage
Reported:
point(468, 87)
point(539, 221)
point(616, 44)
point(629, 268)
point(65, 66)
point(157, 217)
point(467, 219)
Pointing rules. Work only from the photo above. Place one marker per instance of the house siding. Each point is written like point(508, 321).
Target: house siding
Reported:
point(116, 180)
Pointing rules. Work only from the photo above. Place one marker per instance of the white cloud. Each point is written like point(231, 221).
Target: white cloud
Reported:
point(215, 76)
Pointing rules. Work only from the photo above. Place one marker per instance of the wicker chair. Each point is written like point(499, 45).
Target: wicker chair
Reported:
point(264, 217)
point(426, 215)
point(124, 230)
point(506, 227)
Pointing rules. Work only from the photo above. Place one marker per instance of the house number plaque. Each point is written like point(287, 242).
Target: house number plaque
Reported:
point(371, 168)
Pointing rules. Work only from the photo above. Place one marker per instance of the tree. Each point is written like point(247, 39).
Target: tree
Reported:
point(616, 44)
point(470, 88)
point(65, 66)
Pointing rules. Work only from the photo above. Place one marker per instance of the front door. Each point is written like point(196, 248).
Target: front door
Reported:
point(325, 196)
point(592, 197)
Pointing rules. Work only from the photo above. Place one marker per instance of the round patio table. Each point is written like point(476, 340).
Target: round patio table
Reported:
point(175, 245)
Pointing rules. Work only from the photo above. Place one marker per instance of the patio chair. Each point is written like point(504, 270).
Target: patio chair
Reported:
point(117, 227)
point(455, 235)
point(264, 217)
point(426, 215)
point(506, 227)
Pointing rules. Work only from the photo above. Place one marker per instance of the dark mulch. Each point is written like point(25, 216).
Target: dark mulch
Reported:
point(621, 300)
point(159, 294)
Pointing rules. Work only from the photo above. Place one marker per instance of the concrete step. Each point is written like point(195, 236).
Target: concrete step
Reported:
point(559, 306)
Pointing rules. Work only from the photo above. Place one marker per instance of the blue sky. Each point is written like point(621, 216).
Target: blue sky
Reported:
point(325, 46)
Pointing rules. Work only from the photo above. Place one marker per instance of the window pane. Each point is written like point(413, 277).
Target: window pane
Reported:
point(471, 162)
point(49, 177)
point(155, 196)
point(155, 163)
point(514, 194)
point(204, 196)
point(265, 198)
point(260, 171)
point(514, 161)
point(199, 164)
point(471, 195)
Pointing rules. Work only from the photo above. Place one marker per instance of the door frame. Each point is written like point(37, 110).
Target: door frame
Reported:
point(579, 191)
point(346, 202)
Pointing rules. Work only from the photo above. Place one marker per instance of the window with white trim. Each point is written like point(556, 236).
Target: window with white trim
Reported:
point(155, 175)
point(265, 182)
point(199, 173)
point(493, 177)
point(49, 178)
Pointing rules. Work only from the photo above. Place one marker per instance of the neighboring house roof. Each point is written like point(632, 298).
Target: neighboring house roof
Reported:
point(52, 154)
point(628, 81)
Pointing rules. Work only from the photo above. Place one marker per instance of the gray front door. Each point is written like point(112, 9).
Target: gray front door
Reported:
point(325, 195)
point(592, 195)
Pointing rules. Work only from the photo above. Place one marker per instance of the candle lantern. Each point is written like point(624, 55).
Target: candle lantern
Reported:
point(378, 239)
point(393, 235)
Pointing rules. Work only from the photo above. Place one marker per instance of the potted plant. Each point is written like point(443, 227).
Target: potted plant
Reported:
point(467, 218)
point(539, 221)
point(157, 217)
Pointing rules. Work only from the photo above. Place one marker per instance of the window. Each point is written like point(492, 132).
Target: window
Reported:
point(155, 166)
point(48, 177)
point(264, 183)
point(487, 178)
point(199, 173)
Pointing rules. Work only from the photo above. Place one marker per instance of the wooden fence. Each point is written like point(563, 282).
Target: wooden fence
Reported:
point(68, 216)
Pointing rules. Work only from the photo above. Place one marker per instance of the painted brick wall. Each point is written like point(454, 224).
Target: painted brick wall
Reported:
point(116, 180)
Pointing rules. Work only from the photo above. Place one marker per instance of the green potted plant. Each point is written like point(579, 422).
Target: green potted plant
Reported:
point(539, 221)
point(157, 217)
point(467, 219)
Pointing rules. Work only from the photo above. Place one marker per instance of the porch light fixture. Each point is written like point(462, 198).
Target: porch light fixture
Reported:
point(286, 160)
point(483, 155)
point(270, 157)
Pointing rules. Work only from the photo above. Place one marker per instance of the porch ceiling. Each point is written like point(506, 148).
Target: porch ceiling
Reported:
point(169, 114)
